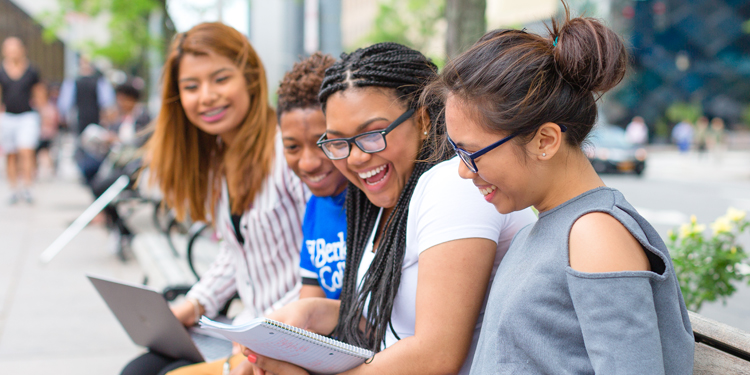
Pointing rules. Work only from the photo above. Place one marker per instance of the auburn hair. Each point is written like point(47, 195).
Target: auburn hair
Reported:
point(188, 163)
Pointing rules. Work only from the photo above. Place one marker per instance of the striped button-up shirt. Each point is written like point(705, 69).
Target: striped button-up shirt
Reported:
point(264, 271)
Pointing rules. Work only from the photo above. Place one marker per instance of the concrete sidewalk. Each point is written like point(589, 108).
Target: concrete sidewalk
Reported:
point(51, 319)
point(669, 164)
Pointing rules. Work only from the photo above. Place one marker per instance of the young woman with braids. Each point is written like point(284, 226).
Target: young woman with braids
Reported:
point(590, 288)
point(217, 155)
point(421, 244)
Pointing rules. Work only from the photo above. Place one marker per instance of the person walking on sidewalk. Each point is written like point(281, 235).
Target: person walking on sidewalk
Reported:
point(49, 130)
point(716, 139)
point(682, 135)
point(90, 93)
point(19, 82)
point(637, 132)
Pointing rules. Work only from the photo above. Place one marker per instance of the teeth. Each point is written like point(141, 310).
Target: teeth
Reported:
point(488, 190)
point(214, 112)
point(376, 182)
point(372, 172)
point(316, 178)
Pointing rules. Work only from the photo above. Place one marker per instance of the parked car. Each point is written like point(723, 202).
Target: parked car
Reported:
point(610, 152)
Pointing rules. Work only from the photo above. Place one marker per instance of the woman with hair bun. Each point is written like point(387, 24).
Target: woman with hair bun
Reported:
point(590, 288)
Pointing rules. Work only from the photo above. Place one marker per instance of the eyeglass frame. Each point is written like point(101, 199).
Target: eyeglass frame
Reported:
point(467, 157)
point(383, 132)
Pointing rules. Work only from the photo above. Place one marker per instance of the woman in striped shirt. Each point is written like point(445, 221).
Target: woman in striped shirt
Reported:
point(216, 149)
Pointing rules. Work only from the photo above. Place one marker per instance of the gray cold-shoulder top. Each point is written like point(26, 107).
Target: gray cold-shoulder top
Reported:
point(543, 317)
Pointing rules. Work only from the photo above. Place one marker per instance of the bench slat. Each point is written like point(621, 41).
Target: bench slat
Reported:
point(158, 262)
point(721, 336)
point(711, 361)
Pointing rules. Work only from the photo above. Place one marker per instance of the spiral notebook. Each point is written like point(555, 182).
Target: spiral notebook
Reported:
point(316, 353)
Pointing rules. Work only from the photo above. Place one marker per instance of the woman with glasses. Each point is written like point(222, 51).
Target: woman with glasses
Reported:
point(590, 288)
point(422, 245)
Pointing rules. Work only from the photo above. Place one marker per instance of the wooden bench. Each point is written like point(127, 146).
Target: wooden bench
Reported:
point(719, 349)
point(164, 260)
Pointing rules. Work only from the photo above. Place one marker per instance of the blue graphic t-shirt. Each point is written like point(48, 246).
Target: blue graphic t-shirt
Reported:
point(324, 244)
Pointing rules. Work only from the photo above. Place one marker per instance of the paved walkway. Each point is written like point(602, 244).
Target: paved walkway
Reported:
point(729, 166)
point(51, 318)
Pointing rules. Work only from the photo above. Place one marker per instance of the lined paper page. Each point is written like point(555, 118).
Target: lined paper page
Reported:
point(274, 341)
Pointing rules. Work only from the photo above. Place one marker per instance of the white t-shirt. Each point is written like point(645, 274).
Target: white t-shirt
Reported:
point(443, 208)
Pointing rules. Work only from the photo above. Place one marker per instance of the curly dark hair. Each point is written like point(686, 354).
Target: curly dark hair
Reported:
point(299, 88)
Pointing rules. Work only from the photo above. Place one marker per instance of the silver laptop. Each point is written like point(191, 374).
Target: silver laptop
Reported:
point(148, 320)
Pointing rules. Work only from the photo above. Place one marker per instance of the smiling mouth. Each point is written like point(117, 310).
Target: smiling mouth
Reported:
point(376, 175)
point(317, 178)
point(213, 113)
point(488, 190)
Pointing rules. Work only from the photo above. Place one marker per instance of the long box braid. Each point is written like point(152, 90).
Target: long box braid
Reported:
point(407, 71)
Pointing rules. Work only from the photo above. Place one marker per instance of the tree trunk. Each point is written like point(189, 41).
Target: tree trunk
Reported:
point(466, 24)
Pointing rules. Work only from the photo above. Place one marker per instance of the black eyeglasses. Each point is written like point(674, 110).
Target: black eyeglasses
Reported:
point(369, 142)
point(469, 158)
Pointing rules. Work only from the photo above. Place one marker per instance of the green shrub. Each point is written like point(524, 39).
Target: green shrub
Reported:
point(679, 111)
point(707, 266)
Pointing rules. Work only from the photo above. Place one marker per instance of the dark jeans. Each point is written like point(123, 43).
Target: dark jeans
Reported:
point(87, 163)
point(98, 186)
point(153, 364)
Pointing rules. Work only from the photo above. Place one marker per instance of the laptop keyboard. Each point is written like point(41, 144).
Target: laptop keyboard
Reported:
point(210, 347)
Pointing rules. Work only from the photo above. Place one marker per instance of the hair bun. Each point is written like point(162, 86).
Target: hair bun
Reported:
point(589, 55)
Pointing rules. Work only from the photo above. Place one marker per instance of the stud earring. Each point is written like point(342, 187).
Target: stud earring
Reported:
point(425, 133)
point(544, 154)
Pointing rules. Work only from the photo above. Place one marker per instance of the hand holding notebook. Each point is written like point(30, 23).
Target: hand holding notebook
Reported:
point(316, 353)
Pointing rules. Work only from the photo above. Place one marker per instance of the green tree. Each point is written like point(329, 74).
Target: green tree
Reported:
point(415, 23)
point(466, 24)
point(410, 22)
point(128, 27)
point(681, 111)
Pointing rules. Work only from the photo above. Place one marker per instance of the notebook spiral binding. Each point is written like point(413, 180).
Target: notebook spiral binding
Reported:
point(349, 349)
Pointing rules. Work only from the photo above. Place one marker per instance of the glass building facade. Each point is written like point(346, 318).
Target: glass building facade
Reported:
point(692, 51)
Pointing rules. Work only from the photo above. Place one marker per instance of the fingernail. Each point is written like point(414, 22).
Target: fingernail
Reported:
point(252, 358)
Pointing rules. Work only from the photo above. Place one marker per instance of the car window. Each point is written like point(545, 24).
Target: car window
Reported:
point(609, 137)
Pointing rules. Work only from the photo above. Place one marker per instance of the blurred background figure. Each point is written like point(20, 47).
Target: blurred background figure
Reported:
point(123, 140)
point(50, 125)
point(89, 95)
point(701, 134)
point(130, 116)
point(19, 87)
point(715, 138)
point(637, 132)
point(682, 135)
